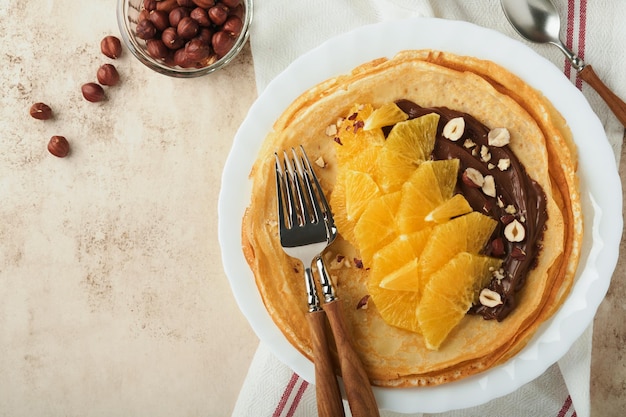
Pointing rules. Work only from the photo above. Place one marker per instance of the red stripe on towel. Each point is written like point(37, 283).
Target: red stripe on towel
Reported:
point(581, 36)
point(283, 399)
point(566, 406)
point(569, 37)
point(297, 398)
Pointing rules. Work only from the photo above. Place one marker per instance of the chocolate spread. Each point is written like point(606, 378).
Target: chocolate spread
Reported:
point(514, 190)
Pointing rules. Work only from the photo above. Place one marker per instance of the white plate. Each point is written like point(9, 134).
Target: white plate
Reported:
point(600, 186)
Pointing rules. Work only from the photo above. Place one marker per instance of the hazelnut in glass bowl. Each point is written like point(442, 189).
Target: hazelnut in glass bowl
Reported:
point(184, 38)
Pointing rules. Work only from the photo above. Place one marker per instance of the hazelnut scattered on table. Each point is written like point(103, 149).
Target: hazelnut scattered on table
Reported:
point(59, 146)
point(41, 111)
point(111, 47)
point(107, 75)
point(93, 92)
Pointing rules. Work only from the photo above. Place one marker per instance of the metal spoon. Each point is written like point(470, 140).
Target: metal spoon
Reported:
point(538, 21)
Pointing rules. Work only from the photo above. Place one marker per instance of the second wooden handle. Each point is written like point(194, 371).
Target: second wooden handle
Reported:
point(356, 382)
point(329, 402)
point(616, 104)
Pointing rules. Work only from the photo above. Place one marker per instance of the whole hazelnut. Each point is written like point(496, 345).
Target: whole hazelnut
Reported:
point(237, 11)
point(59, 146)
point(159, 19)
point(186, 3)
point(171, 39)
point(111, 46)
point(233, 25)
point(93, 92)
point(222, 43)
point(231, 3)
point(204, 3)
point(218, 14)
point(157, 49)
point(206, 35)
point(177, 14)
point(197, 50)
point(143, 15)
point(166, 5)
point(145, 29)
point(41, 111)
point(181, 59)
point(201, 16)
point(187, 28)
point(107, 75)
point(149, 5)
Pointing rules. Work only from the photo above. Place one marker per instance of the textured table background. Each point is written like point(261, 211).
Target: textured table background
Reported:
point(113, 300)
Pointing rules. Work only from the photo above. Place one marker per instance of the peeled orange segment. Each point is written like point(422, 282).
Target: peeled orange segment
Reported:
point(353, 191)
point(386, 115)
point(364, 161)
point(450, 293)
point(430, 186)
point(456, 206)
point(408, 144)
point(376, 226)
point(395, 265)
point(467, 233)
point(479, 230)
point(397, 308)
point(352, 140)
point(405, 278)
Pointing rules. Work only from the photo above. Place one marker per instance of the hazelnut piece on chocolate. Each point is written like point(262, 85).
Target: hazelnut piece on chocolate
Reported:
point(454, 129)
point(489, 298)
point(514, 231)
point(473, 178)
point(489, 186)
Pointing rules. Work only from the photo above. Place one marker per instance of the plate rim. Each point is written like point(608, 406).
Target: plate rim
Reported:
point(502, 379)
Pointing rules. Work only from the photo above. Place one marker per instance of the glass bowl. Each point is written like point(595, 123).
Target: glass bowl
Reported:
point(129, 14)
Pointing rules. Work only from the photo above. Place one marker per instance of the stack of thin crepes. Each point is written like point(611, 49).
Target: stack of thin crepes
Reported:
point(541, 141)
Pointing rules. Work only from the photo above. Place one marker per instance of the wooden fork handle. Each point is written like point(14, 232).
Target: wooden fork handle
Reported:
point(329, 403)
point(616, 104)
point(356, 382)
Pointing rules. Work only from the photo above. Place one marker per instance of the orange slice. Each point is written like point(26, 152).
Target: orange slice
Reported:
point(353, 191)
point(386, 115)
point(430, 186)
point(376, 226)
point(408, 144)
point(450, 293)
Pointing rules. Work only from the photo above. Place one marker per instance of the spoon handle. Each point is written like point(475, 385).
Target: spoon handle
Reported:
point(615, 103)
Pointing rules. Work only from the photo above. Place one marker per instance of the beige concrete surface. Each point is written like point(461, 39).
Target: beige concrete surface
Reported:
point(113, 300)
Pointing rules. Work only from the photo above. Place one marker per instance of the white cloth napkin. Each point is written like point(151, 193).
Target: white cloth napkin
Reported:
point(282, 31)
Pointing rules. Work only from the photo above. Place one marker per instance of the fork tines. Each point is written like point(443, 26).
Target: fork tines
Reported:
point(297, 182)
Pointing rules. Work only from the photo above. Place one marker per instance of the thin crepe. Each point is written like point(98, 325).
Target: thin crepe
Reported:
point(541, 141)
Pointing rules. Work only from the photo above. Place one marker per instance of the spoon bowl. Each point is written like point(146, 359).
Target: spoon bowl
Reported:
point(538, 21)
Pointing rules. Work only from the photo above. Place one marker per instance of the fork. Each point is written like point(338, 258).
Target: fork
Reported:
point(306, 229)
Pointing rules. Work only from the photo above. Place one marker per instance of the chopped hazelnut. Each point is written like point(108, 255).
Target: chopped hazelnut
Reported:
point(331, 130)
point(489, 186)
point(320, 162)
point(514, 231)
point(504, 164)
point(489, 298)
point(485, 155)
point(499, 136)
point(454, 129)
point(473, 177)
